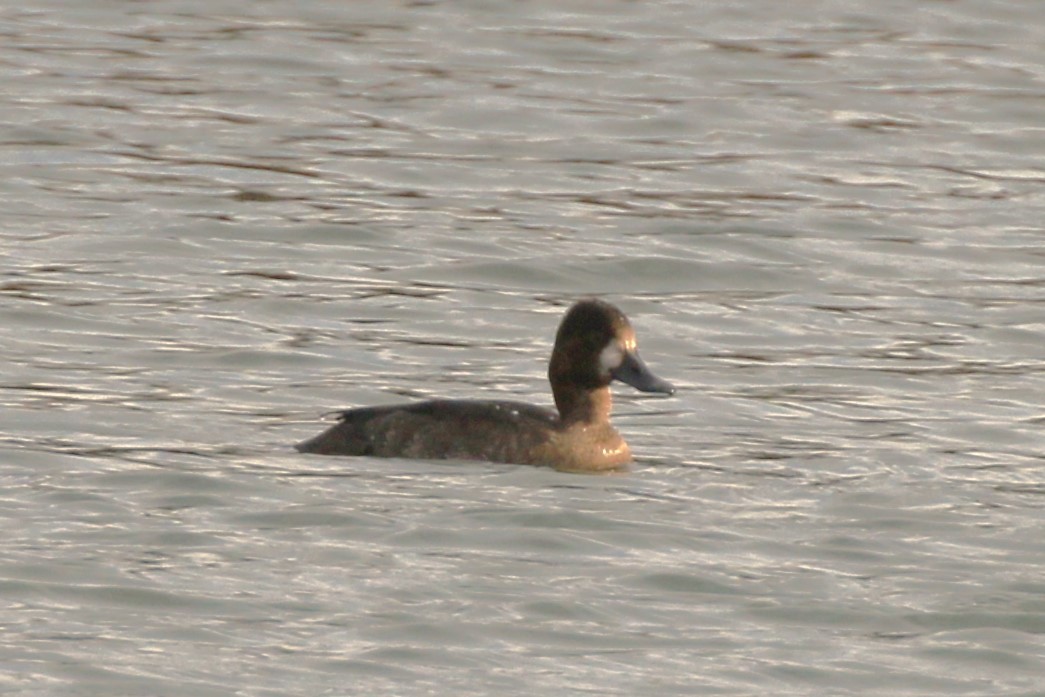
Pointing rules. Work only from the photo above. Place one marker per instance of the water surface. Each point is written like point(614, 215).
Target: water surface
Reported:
point(223, 220)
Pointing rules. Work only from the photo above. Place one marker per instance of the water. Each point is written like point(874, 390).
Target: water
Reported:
point(224, 219)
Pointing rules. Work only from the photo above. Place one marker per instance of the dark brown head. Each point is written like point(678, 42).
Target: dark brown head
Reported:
point(595, 345)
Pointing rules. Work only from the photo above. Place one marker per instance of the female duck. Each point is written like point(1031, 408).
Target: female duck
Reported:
point(595, 345)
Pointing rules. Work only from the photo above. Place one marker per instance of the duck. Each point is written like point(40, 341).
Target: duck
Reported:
point(594, 346)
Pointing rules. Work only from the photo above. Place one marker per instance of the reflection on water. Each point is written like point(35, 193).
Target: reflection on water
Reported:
point(222, 221)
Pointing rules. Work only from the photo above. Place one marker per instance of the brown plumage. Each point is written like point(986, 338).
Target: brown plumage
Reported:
point(594, 345)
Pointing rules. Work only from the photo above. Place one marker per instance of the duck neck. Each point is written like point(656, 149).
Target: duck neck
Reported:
point(584, 406)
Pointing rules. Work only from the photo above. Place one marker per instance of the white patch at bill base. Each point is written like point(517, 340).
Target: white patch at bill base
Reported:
point(611, 357)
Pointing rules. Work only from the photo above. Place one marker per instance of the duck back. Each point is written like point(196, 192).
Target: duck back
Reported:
point(495, 431)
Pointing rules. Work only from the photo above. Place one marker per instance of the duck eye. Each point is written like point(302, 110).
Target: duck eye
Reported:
point(611, 357)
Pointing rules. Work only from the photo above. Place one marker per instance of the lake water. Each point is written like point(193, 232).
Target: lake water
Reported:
point(223, 219)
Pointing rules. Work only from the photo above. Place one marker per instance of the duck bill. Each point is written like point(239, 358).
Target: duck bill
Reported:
point(634, 372)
